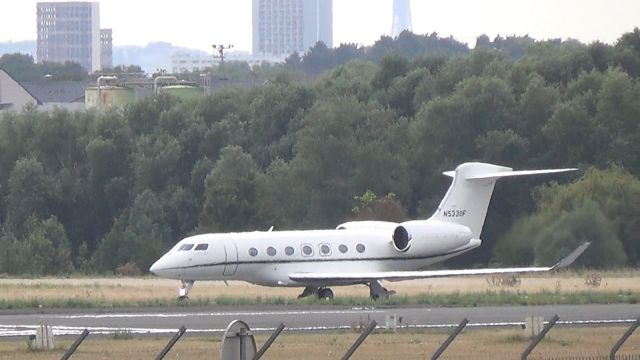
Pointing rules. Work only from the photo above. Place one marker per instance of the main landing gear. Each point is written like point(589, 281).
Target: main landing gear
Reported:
point(377, 291)
point(185, 288)
point(320, 292)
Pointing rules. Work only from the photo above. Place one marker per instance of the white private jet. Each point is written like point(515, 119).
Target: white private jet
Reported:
point(358, 252)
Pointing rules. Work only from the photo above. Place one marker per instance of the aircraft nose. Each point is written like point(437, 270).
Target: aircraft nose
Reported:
point(157, 267)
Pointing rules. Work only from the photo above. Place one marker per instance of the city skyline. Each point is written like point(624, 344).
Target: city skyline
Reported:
point(197, 23)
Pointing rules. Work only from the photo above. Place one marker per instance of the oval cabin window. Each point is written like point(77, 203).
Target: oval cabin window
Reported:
point(307, 250)
point(288, 250)
point(325, 250)
point(271, 251)
point(253, 251)
point(360, 248)
point(343, 248)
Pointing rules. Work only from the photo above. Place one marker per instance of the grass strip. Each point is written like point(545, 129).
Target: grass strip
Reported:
point(455, 299)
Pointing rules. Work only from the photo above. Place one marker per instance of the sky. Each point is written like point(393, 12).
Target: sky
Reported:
point(199, 23)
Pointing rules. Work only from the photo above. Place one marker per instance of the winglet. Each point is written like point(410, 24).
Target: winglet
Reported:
point(569, 259)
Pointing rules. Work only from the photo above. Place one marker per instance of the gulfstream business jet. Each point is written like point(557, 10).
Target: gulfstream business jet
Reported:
point(358, 252)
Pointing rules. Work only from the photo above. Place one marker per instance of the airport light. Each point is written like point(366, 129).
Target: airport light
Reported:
point(220, 49)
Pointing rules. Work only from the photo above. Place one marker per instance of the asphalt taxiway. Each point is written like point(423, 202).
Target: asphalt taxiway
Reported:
point(212, 320)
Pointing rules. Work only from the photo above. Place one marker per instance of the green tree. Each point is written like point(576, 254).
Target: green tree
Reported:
point(608, 198)
point(371, 207)
point(29, 193)
point(230, 193)
point(584, 223)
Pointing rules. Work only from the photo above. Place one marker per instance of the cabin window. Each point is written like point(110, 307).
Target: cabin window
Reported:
point(288, 250)
point(201, 247)
point(343, 248)
point(271, 251)
point(253, 252)
point(307, 250)
point(325, 249)
point(360, 248)
point(185, 247)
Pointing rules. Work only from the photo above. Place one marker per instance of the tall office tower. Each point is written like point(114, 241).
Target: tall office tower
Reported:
point(401, 17)
point(69, 31)
point(106, 48)
point(281, 27)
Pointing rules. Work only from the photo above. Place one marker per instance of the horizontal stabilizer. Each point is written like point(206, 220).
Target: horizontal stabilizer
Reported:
point(517, 173)
point(409, 275)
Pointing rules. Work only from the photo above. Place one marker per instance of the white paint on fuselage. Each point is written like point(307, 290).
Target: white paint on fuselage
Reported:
point(221, 261)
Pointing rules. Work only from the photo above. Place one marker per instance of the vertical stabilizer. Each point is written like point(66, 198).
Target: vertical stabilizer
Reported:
point(468, 197)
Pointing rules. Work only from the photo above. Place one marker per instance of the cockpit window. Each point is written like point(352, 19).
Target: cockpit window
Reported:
point(201, 247)
point(185, 247)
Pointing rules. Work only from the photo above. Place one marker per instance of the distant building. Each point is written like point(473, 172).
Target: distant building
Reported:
point(43, 94)
point(281, 27)
point(69, 31)
point(401, 17)
point(106, 48)
point(182, 62)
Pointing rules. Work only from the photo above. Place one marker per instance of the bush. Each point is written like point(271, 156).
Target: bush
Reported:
point(128, 269)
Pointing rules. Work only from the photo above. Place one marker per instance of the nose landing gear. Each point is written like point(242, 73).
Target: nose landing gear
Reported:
point(185, 288)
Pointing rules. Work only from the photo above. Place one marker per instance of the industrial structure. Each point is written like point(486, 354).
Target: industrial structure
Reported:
point(401, 17)
point(282, 27)
point(70, 31)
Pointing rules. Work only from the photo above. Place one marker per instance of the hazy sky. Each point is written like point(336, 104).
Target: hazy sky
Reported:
point(200, 23)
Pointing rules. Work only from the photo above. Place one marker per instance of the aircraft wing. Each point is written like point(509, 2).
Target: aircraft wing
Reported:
point(409, 275)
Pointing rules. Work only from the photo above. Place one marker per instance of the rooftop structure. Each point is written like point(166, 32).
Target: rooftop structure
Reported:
point(43, 94)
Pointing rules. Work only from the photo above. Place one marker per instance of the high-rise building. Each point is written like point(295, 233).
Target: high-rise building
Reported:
point(401, 17)
point(281, 27)
point(106, 48)
point(69, 31)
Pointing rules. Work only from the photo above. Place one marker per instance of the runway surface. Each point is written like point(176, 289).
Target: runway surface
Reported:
point(266, 318)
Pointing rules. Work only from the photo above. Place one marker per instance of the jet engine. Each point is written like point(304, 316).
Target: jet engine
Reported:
point(429, 237)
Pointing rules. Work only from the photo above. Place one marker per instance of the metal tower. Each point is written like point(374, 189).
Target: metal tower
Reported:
point(401, 17)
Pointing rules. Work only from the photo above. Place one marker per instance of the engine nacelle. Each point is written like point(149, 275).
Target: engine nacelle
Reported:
point(429, 237)
point(401, 239)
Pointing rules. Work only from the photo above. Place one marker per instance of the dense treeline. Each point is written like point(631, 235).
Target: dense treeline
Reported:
point(90, 191)
point(22, 67)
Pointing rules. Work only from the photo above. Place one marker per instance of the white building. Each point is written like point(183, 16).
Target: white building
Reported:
point(69, 31)
point(182, 62)
point(281, 27)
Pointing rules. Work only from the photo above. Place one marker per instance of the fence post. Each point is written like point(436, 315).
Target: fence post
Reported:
point(75, 345)
point(172, 342)
point(360, 339)
point(539, 337)
point(618, 345)
point(450, 339)
point(270, 341)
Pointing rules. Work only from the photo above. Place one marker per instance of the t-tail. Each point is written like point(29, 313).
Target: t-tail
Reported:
point(468, 197)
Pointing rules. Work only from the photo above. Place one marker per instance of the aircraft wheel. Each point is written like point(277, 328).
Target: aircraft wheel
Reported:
point(325, 293)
